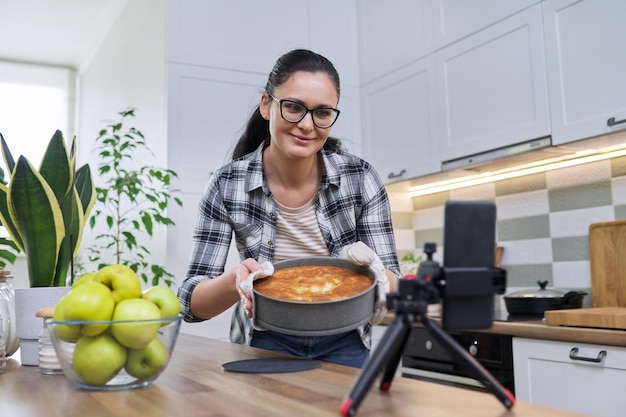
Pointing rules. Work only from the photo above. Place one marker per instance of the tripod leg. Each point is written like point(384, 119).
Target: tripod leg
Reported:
point(393, 360)
point(468, 361)
point(391, 346)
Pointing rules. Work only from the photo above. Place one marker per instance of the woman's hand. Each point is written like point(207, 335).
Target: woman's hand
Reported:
point(244, 285)
point(360, 254)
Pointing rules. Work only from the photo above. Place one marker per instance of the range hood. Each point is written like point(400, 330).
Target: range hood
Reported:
point(533, 156)
point(518, 154)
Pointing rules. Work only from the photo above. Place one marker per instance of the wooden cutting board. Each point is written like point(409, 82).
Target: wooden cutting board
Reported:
point(602, 317)
point(607, 259)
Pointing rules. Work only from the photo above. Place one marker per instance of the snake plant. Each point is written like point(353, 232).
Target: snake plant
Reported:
point(45, 211)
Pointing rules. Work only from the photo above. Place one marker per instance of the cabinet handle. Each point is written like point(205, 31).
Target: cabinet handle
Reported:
point(399, 174)
point(613, 122)
point(573, 355)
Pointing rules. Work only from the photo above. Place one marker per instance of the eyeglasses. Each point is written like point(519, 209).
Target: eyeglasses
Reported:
point(292, 111)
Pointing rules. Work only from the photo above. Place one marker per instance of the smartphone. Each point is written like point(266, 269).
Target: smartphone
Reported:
point(469, 247)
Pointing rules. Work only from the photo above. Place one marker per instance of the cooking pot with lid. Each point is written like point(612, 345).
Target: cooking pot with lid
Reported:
point(537, 301)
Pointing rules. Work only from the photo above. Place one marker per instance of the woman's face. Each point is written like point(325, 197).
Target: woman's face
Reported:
point(302, 139)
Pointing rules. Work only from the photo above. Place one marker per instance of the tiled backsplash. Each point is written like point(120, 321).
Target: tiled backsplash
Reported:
point(543, 220)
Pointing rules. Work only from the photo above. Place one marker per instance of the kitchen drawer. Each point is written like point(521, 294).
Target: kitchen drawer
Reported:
point(571, 376)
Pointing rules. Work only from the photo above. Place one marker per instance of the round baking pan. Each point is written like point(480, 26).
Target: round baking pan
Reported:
point(322, 318)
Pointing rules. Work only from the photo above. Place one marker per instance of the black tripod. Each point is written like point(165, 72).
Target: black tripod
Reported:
point(410, 304)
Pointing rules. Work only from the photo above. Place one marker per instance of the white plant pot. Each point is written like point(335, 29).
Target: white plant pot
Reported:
point(27, 302)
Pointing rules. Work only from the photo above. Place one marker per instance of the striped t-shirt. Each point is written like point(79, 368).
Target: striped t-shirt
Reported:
point(297, 232)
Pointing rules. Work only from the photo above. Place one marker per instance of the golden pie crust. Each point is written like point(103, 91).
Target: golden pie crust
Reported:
point(313, 283)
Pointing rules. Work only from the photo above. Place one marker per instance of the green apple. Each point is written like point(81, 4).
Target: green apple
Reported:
point(89, 301)
point(97, 359)
point(134, 334)
point(83, 278)
point(67, 333)
point(123, 281)
point(165, 299)
point(146, 362)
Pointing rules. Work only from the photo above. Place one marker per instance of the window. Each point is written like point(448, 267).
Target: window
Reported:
point(34, 102)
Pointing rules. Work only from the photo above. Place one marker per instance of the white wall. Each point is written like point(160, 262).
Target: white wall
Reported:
point(127, 70)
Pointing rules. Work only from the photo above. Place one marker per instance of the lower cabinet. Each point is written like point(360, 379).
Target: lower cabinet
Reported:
point(579, 377)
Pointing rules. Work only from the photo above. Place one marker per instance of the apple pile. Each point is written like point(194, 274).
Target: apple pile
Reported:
point(102, 350)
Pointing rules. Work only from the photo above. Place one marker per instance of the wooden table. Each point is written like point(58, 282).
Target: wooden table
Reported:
point(195, 385)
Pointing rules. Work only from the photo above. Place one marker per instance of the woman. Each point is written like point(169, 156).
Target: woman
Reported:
point(290, 191)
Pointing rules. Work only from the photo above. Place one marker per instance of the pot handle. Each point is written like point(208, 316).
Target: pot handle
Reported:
point(567, 298)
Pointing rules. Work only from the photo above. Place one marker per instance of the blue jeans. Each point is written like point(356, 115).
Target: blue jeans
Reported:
point(344, 349)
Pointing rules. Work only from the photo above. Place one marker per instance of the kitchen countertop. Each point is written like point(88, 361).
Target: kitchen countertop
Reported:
point(195, 384)
point(535, 328)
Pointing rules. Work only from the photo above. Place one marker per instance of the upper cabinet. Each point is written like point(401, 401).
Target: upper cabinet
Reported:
point(249, 36)
point(476, 82)
point(492, 87)
point(505, 73)
point(400, 122)
point(586, 61)
point(202, 127)
point(392, 34)
point(457, 19)
point(208, 33)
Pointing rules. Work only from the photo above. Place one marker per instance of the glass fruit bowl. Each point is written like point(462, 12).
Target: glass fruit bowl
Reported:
point(116, 354)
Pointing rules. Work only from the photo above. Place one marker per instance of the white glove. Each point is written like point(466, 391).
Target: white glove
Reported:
point(247, 285)
point(360, 254)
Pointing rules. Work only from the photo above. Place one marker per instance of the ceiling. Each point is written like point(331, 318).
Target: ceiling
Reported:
point(55, 32)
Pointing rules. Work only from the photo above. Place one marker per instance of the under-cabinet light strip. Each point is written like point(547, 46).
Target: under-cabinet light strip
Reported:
point(454, 184)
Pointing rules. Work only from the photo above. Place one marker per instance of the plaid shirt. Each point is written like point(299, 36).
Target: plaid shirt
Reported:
point(352, 205)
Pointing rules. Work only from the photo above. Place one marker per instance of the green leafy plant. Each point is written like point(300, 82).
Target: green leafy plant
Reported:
point(409, 264)
point(8, 248)
point(8, 252)
point(45, 211)
point(130, 202)
point(410, 257)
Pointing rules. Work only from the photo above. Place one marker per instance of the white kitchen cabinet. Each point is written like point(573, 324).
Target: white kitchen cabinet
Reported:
point(222, 34)
point(207, 109)
point(400, 123)
point(455, 19)
point(572, 376)
point(492, 87)
point(585, 59)
point(397, 32)
point(392, 34)
point(248, 36)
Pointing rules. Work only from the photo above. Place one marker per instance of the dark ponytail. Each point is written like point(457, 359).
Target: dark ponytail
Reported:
point(256, 130)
